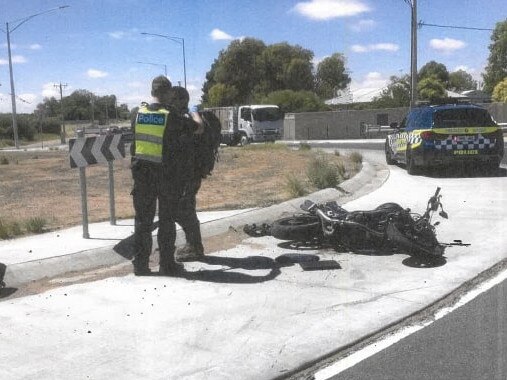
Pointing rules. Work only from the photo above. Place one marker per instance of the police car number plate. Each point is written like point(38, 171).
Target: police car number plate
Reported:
point(464, 138)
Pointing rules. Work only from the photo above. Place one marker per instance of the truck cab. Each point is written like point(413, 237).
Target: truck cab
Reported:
point(257, 123)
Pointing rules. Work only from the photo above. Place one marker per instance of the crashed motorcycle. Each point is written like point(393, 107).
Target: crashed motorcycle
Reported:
point(386, 228)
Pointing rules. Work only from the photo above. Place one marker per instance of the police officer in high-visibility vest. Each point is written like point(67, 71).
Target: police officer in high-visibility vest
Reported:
point(160, 169)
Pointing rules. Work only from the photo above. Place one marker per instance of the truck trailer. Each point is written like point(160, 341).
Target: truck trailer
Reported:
point(250, 123)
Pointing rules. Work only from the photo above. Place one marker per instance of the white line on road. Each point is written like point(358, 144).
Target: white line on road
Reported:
point(383, 343)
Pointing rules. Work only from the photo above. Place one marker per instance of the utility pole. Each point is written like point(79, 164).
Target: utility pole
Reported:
point(8, 30)
point(107, 113)
point(413, 55)
point(62, 129)
point(92, 101)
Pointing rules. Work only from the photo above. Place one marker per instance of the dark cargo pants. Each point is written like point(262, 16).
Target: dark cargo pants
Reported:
point(186, 215)
point(149, 186)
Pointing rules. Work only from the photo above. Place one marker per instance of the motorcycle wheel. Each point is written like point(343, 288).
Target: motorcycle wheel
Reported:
point(297, 227)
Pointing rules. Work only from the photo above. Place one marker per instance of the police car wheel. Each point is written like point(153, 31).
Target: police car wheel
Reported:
point(389, 156)
point(411, 168)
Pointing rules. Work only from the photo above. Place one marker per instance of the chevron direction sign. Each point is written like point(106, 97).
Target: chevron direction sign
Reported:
point(96, 149)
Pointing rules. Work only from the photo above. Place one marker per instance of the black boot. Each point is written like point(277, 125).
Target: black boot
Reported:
point(169, 267)
point(190, 252)
point(141, 267)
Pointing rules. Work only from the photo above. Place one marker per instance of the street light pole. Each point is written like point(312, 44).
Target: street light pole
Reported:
point(413, 52)
point(180, 40)
point(13, 93)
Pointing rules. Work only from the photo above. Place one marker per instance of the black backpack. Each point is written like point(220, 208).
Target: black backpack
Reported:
point(207, 144)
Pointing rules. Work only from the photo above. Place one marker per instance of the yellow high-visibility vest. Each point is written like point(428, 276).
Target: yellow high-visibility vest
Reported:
point(149, 133)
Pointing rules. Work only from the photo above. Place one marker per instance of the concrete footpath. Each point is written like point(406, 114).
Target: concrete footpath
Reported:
point(54, 253)
point(249, 311)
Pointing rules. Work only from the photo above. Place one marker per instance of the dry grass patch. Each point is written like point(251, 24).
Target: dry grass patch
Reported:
point(42, 185)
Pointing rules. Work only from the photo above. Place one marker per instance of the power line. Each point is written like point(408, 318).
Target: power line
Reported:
point(421, 23)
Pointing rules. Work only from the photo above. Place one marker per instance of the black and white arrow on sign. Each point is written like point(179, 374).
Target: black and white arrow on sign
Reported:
point(96, 149)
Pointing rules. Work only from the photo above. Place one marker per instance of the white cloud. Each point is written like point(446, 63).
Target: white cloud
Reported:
point(217, 34)
point(118, 35)
point(317, 60)
point(465, 68)
point(35, 47)
point(375, 47)
point(363, 25)
point(195, 93)
point(359, 48)
point(93, 73)
point(25, 103)
point(329, 9)
point(475, 73)
point(121, 34)
point(49, 90)
point(15, 59)
point(447, 45)
point(13, 46)
point(368, 87)
point(135, 84)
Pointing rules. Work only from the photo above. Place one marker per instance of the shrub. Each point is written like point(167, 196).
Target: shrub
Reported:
point(323, 174)
point(305, 146)
point(15, 229)
point(4, 230)
point(4, 160)
point(266, 146)
point(35, 225)
point(295, 186)
point(356, 157)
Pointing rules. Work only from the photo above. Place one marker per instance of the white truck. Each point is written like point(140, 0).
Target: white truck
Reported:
point(249, 123)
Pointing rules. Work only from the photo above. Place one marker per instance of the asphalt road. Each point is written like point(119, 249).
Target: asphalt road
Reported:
point(469, 343)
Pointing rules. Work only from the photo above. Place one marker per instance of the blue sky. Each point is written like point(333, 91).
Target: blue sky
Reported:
point(95, 45)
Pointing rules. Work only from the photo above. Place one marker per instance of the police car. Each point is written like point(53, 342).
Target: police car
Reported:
point(441, 135)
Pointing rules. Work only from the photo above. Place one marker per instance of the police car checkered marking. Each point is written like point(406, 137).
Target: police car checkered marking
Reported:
point(453, 144)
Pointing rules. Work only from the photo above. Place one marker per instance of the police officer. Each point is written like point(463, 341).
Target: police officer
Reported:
point(158, 167)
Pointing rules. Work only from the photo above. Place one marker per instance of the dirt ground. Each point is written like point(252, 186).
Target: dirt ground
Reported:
point(42, 184)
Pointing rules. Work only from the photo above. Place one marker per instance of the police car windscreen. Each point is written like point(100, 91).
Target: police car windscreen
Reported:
point(267, 114)
point(462, 118)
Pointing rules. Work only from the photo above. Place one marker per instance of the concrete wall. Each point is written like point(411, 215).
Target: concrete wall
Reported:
point(498, 111)
point(352, 124)
point(343, 124)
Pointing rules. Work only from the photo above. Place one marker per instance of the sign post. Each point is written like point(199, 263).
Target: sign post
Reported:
point(85, 151)
point(112, 214)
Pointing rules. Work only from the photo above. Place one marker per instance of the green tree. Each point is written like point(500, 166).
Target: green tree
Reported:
point(298, 75)
point(283, 66)
point(500, 91)
point(331, 76)
point(295, 101)
point(461, 81)
point(248, 69)
point(436, 69)
point(50, 106)
point(397, 93)
point(431, 88)
point(496, 69)
point(237, 66)
point(222, 95)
